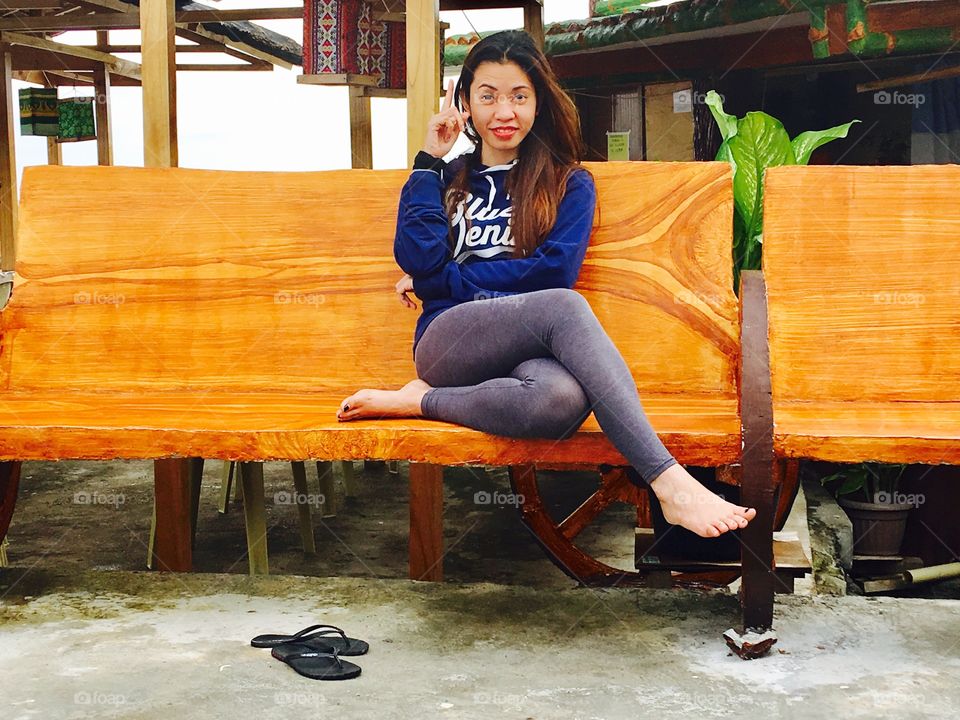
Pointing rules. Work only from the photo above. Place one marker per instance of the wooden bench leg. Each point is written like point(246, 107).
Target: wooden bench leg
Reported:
point(426, 522)
point(9, 486)
point(196, 479)
point(303, 507)
point(757, 488)
point(172, 503)
point(226, 482)
point(328, 487)
point(349, 479)
point(255, 516)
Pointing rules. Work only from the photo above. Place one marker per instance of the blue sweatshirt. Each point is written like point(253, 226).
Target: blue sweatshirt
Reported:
point(479, 264)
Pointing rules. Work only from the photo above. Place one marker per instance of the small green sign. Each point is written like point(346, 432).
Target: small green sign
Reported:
point(618, 145)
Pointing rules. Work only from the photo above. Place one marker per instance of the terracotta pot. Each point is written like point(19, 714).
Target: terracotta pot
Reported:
point(877, 527)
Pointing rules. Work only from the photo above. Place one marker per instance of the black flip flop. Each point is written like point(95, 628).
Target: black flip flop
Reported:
point(318, 665)
point(316, 637)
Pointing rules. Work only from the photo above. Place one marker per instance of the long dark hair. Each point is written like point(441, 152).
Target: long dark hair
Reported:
point(547, 155)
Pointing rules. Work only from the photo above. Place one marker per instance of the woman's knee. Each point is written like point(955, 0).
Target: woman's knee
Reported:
point(563, 406)
point(565, 299)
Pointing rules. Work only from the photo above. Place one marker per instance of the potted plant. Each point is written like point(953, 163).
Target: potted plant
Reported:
point(869, 494)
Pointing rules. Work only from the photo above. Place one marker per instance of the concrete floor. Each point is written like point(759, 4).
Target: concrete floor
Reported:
point(86, 634)
point(138, 645)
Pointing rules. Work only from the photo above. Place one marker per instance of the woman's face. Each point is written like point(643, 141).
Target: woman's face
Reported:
point(503, 107)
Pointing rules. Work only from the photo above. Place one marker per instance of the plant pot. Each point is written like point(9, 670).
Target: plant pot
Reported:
point(877, 527)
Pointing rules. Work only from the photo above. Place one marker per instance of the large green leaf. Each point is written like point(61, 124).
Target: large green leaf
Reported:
point(727, 123)
point(805, 143)
point(760, 142)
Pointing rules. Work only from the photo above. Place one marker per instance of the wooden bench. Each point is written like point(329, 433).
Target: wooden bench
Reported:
point(861, 267)
point(171, 314)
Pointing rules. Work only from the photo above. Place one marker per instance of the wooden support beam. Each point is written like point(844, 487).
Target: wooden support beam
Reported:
point(242, 15)
point(130, 19)
point(116, 66)
point(101, 85)
point(54, 149)
point(896, 17)
point(197, 33)
point(159, 77)
point(234, 48)
point(482, 4)
point(361, 133)
point(73, 21)
point(222, 67)
point(8, 160)
point(757, 489)
point(533, 21)
point(910, 79)
point(423, 70)
point(31, 5)
point(181, 48)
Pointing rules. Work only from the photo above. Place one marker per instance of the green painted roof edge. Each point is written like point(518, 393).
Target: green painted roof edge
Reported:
point(599, 32)
point(595, 33)
point(617, 7)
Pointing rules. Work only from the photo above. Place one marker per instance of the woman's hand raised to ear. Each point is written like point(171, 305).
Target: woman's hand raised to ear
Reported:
point(445, 127)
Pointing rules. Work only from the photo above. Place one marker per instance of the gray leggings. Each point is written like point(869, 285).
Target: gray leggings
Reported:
point(535, 365)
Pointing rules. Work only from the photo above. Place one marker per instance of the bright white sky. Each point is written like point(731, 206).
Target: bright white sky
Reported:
point(263, 120)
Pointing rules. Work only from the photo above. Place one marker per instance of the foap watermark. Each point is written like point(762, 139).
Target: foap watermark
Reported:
point(299, 699)
point(482, 497)
point(297, 498)
point(884, 97)
point(87, 697)
point(498, 698)
point(99, 298)
point(899, 298)
point(689, 297)
point(515, 299)
point(86, 497)
point(899, 498)
point(686, 100)
point(684, 498)
point(295, 297)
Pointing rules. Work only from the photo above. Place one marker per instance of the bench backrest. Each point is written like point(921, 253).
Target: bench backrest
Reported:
point(165, 279)
point(862, 267)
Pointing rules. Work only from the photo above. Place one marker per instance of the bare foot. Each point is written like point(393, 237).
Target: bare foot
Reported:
point(689, 504)
point(404, 402)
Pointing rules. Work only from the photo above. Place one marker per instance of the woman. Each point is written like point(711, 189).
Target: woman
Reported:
point(492, 244)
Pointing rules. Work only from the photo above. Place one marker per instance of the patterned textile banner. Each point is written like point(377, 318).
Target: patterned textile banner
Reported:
point(341, 36)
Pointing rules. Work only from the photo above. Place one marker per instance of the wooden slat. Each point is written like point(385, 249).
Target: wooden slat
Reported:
point(863, 312)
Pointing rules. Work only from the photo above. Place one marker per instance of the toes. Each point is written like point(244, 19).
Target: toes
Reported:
point(712, 531)
point(731, 522)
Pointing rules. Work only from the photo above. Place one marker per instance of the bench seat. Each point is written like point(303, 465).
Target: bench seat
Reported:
point(299, 426)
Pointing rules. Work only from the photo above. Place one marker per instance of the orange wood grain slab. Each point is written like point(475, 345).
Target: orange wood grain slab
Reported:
point(176, 312)
point(862, 267)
